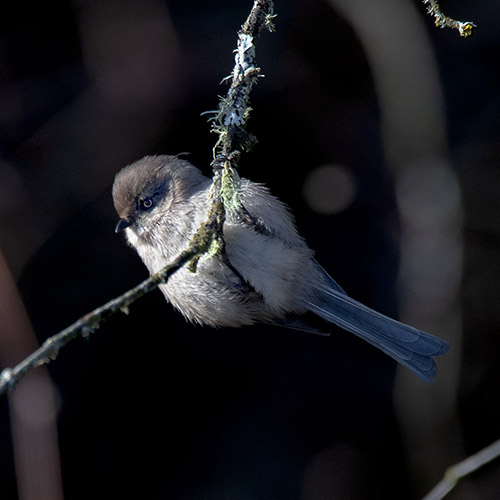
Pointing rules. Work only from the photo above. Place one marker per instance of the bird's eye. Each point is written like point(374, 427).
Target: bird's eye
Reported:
point(146, 203)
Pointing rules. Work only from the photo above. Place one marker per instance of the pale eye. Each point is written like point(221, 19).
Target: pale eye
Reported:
point(146, 203)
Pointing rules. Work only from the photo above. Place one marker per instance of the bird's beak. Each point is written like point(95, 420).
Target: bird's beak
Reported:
point(123, 224)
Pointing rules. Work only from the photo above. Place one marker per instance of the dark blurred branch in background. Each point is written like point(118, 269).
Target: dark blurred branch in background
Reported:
point(33, 406)
point(413, 124)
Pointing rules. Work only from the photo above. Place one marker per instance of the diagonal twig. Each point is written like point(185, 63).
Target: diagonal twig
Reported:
point(457, 472)
point(88, 323)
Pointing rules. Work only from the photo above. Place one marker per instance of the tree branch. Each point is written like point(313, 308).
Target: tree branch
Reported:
point(230, 119)
point(457, 472)
point(465, 28)
point(87, 324)
point(230, 123)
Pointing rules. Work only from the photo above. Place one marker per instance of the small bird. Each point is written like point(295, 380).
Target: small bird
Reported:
point(267, 274)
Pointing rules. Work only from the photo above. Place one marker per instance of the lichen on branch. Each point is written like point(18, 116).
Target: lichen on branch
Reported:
point(465, 28)
point(234, 109)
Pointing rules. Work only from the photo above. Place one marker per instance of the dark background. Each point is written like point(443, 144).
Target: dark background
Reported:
point(153, 407)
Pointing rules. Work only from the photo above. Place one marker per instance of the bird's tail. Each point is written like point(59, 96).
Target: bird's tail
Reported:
point(412, 348)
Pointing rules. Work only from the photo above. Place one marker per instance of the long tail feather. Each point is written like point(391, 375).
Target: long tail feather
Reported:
point(411, 347)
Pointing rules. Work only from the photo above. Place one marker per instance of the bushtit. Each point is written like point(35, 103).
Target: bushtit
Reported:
point(268, 273)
